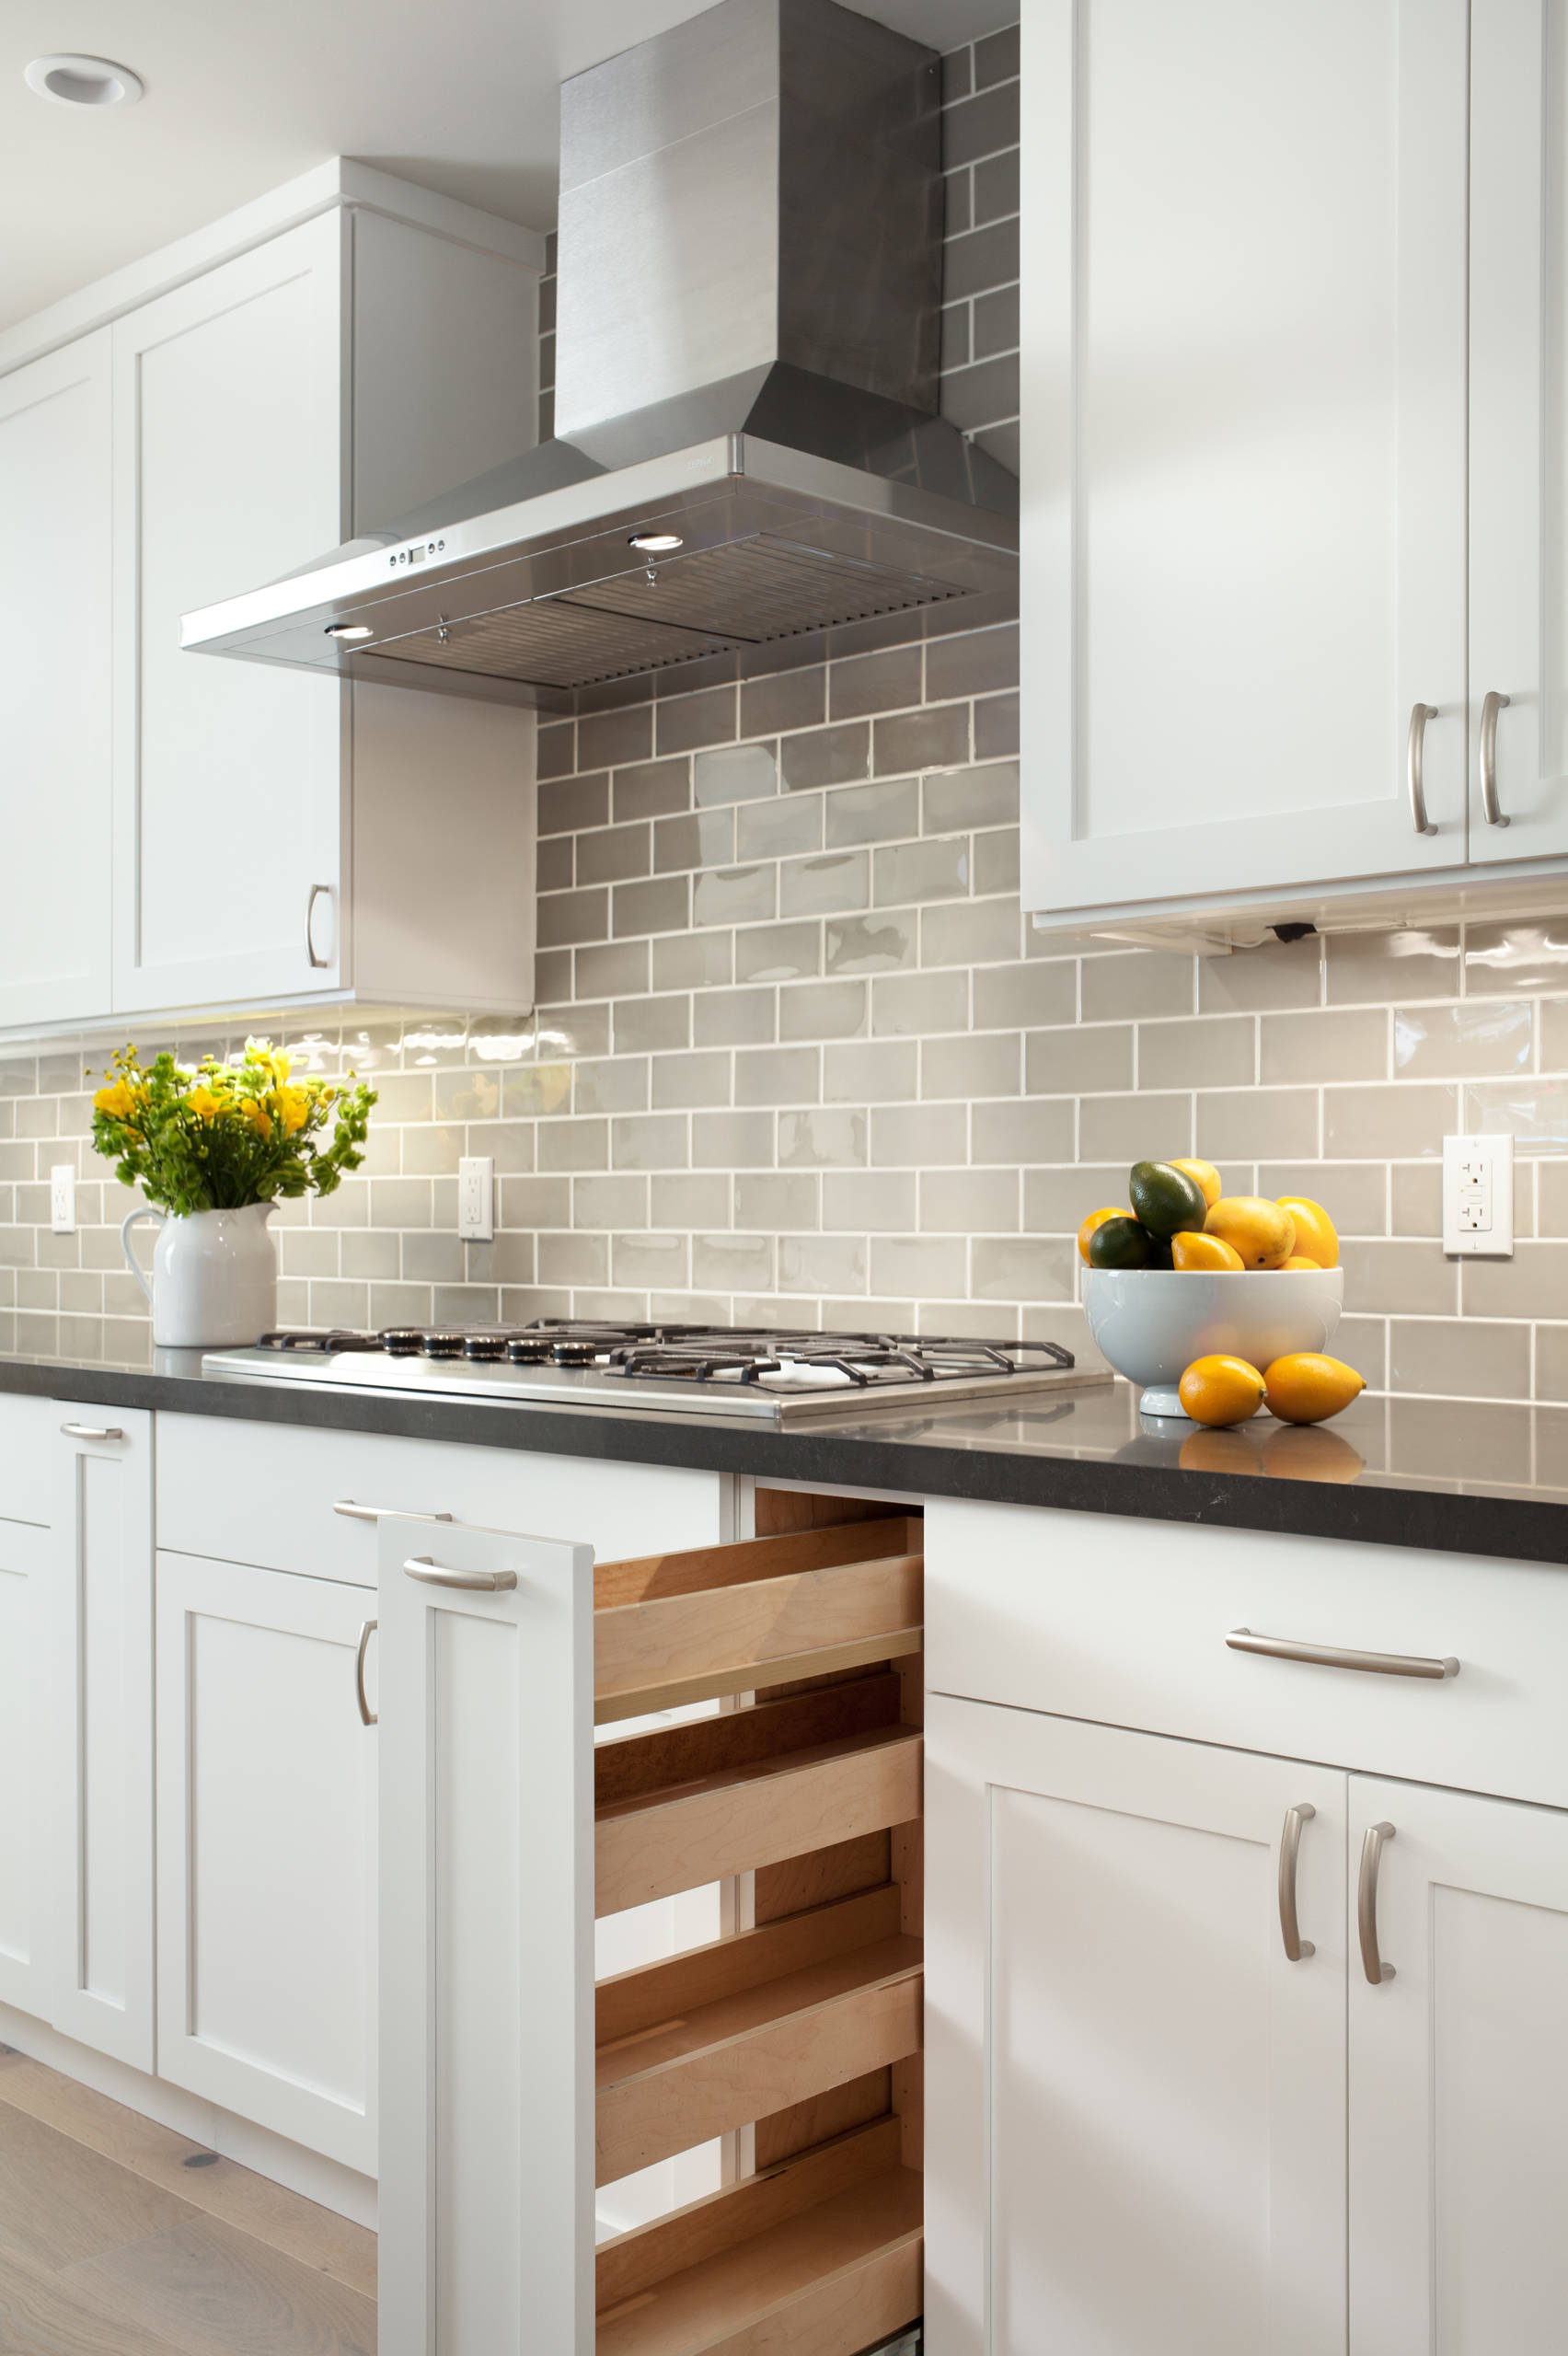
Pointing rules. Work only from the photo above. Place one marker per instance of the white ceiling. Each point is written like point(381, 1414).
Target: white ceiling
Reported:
point(459, 95)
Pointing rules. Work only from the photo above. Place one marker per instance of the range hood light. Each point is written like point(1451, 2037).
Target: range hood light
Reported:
point(656, 543)
point(348, 630)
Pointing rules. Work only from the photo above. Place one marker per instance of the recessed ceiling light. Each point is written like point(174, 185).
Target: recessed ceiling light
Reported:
point(348, 630)
point(656, 543)
point(83, 81)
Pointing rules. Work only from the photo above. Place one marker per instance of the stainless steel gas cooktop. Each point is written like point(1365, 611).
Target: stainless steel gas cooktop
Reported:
point(783, 1376)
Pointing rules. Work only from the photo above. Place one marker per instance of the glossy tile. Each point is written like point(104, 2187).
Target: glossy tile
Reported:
point(969, 1202)
point(971, 1067)
point(1220, 1052)
point(1502, 960)
point(1095, 1060)
point(1388, 1124)
point(1451, 1042)
point(1384, 968)
point(870, 1071)
point(821, 1010)
point(1135, 1128)
point(779, 1075)
point(872, 1201)
point(831, 882)
point(825, 1140)
point(1459, 1360)
point(1398, 1277)
point(1327, 1045)
point(737, 773)
point(1275, 974)
point(917, 1004)
point(887, 812)
point(1534, 1283)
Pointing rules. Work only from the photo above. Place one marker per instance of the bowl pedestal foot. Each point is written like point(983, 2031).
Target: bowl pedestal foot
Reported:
point(1164, 1399)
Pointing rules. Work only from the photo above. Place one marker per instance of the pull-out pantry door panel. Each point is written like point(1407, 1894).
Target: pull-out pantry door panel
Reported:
point(1243, 340)
point(266, 1809)
point(1136, 2099)
point(1458, 2074)
point(487, 1944)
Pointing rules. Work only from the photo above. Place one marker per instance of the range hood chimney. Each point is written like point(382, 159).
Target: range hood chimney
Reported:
point(749, 307)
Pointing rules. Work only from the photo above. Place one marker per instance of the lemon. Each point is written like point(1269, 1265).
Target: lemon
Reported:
point(1165, 1198)
point(1096, 1219)
point(1189, 1251)
point(1119, 1243)
point(1305, 1387)
point(1262, 1233)
point(1221, 1390)
point(1299, 1260)
point(1207, 1177)
point(1316, 1238)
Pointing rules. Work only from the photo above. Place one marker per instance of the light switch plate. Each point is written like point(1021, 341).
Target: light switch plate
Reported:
point(476, 1197)
point(63, 1197)
point(1478, 1196)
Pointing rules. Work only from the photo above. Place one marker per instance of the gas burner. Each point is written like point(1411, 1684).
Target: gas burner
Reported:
point(485, 1347)
point(326, 1343)
point(447, 1343)
point(400, 1341)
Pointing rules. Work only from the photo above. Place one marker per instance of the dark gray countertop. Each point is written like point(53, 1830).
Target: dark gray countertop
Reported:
point(1444, 1474)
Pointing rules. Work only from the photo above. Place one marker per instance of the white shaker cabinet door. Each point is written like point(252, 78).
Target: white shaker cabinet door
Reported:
point(1244, 398)
point(487, 1944)
point(1458, 2075)
point(1136, 2100)
point(266, 1816)
point(96, 1738)
point(1518, 766)
point(55, 684)
point(25, 1569)
point(229, 470)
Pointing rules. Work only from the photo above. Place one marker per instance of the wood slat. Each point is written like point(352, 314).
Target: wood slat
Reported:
point(628, 1765)
point(755, 1815)
point(633, 2000)
point(829, 2282)
point(688, 1648)
point(633, 2262)
point(724, 2064)
point(704, 1568)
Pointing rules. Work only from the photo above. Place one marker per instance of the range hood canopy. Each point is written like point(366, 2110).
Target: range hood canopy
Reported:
point(749, 307)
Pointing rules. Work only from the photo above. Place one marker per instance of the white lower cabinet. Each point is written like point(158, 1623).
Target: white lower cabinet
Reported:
point(1135, 2132)
point(94, 1734)
point(24, 1852)
point(1459, 2077)
point(266, 1839)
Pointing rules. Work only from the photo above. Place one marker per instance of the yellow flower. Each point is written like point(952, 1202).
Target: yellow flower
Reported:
point(118, 1101)
point(257, 1117)
point(204, 1104)
point(294, 1106)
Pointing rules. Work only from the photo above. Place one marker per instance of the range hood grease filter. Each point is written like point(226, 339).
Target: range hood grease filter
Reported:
point(781, 158)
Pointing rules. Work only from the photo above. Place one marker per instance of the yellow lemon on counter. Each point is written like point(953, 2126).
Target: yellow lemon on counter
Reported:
point(1305, 1387)
point(1261, 1232)
point(1207, 1176)
point(1204, 1252)
point(1221, 1390)
point(1096, 1219)
point(1316, 1237)
point(1299, 1260)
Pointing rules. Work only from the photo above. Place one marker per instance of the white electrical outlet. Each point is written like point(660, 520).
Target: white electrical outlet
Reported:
point(476, 1197)
point(1478, 1196)
point(63, 1198)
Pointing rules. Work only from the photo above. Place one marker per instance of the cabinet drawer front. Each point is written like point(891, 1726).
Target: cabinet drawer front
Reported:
point(265, 1494)
point(1125, 1623)
point(27, 1455)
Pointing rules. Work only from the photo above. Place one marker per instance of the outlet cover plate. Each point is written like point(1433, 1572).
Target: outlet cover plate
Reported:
point(63, 1198)
point(1478, 1196)
point(476, 1197)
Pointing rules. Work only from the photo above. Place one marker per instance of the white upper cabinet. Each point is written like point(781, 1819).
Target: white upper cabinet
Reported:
point(54, 683)
point(1296, 457)
point(238, 836)
point(1518, 806)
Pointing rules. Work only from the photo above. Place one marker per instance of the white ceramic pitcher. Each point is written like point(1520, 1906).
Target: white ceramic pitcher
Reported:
point(214, 1277)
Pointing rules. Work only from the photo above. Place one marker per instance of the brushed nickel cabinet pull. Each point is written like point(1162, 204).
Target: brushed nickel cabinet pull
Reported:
point(318, 891)
point(1416, 746)
point(479, 1582)
point(352, 1511)
point(1378, 1836)
point(1296, 1948)
point(92, 1431)
point(1242, 1640)
point(1491, 809)
point(367, 1715)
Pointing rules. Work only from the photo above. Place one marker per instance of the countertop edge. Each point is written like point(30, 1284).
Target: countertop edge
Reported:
point(1434, 1521)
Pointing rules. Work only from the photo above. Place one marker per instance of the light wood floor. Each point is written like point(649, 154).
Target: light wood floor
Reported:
point(112, 2246)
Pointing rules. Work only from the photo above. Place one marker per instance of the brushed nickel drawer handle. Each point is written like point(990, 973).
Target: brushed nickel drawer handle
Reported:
point(92, 1431)
point(351, 1511)
point(1491, 809)
point(317, 892)
point(1296, 1948)
point(367, 1715)
point(1378, 1836)
point(1242, 1640)
point(480, 1582)
point(1416, 746)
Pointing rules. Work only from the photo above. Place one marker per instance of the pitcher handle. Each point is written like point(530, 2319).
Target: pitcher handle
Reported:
point(125, 1226)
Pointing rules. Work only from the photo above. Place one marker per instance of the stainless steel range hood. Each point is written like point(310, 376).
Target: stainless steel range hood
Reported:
point(749, 294)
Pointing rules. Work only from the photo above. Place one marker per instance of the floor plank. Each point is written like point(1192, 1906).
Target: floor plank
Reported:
point(206, 2289)
point(286, 2221)
point(41, 2314)
point(61, 2202)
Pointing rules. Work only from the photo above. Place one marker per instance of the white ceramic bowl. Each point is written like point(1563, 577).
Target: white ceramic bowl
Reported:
point(1152, 1322)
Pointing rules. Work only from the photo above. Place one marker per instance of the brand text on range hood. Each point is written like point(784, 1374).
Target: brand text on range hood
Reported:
point(749, 294)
